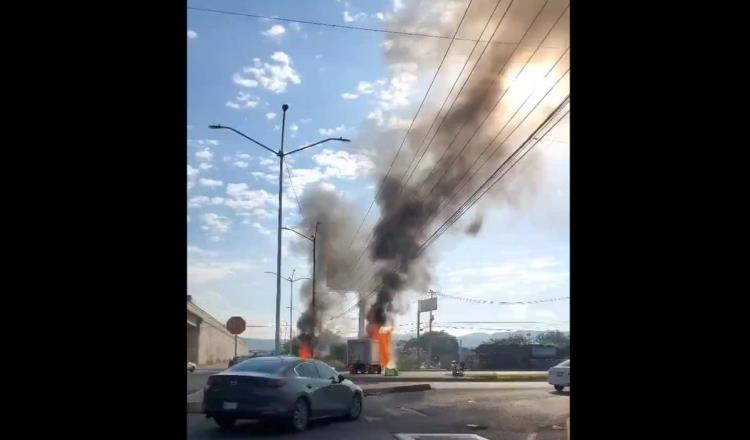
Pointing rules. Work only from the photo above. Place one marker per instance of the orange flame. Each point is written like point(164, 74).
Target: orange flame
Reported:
point(382, 336)
point(305, 352)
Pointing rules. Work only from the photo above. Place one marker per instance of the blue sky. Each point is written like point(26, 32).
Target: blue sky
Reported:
point(241, 70)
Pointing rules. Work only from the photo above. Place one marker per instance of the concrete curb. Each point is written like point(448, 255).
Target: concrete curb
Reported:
point(396, 389)
point(381, 379)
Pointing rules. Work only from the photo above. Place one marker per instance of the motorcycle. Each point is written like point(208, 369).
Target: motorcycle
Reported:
point(458, 371)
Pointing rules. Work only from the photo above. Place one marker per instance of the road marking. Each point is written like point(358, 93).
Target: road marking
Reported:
point(393, 412)
point(413, 411)
point(373, 419)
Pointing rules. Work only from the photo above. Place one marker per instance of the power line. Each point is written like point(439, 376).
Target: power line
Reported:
point(464, 180)
point(380, 187)
point(468, 204)
point(342, 26)
point(291, 184)
point(435, 168)
point(486, 185)
point(403, 184)
point(498, 302)
point(489, 113)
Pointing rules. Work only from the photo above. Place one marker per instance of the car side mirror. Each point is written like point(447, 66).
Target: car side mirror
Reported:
point(341, 378)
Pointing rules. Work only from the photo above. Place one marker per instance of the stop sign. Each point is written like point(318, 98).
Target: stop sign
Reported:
point(236, 325)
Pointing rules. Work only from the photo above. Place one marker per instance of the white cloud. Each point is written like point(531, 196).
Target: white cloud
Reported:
point(244, 156)
point(271, 76)
point(192, 174)
point(396, 94)
point(305, 120)
point(196, 252)
point(294, 127)
point(270, 115)
point(318, 56)
point(262, 229)
point(275, 31)
point(325, 186)
point(201, 201)
point(365, 87)
point(241, 198)
point(397, 5)
point(205, 166)
point(341, 129)
point(200, 273)
point(240, 164)
point(342, 164)
point(198, 201)
point(212, 183)
point(391, 122)
point(296, 27)
point(243, 101)
point(204, 142)
point(380, 16)
point(204, 155)
point(347, 95)
point(244, 82)
point(215, 224)
point(348, 18)
point(191, 34)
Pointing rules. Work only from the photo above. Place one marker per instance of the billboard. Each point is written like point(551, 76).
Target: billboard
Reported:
point(426, 305)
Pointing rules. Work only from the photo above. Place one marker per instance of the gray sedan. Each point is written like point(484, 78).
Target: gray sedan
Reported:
point(280, 388)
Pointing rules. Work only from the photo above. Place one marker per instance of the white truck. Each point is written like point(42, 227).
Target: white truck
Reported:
point(362, 356)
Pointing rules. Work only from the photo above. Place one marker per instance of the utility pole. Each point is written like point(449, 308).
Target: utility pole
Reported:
point(313, 239)
point(418, 350)
point(429, 341)
point(280, 154)
point(291, 303)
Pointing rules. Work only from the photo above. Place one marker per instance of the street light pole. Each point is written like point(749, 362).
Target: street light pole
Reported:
point(278, 234)
point(313, 239)
point(291, 303)
point(280, 154)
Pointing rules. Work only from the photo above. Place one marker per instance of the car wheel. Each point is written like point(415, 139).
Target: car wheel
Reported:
point(300, 415)
point(559, 387)
point(224, 422)
point(355, 408)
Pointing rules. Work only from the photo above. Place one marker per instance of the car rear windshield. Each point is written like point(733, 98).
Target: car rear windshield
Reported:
point(260, 365)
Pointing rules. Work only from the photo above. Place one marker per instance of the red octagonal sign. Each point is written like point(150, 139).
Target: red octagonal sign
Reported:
point(236, 325)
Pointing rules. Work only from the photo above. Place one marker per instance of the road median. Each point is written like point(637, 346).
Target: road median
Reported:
point(375, 391)
point(468, 377)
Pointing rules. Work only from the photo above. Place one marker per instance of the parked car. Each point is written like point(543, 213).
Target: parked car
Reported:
point(191, 366)
point(284, 389)
point(559, 375)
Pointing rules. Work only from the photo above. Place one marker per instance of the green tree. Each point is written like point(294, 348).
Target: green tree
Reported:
point(510, 340)
point(444, 345)
point(556, 338)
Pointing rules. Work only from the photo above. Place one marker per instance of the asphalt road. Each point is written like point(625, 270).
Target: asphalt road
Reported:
point(501, 411)
point(197, 379)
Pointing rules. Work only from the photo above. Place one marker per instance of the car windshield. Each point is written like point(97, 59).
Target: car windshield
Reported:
point(260, 365)
point(565, 364)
